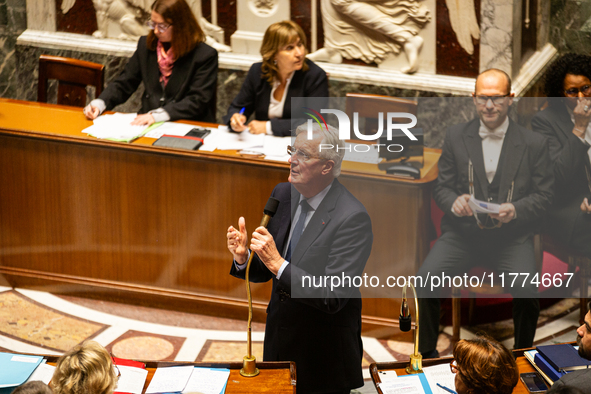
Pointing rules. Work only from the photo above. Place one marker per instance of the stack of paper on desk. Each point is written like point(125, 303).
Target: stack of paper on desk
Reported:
point(133, 376)
point(429, 382)
point(117, 127)
point(189, 379)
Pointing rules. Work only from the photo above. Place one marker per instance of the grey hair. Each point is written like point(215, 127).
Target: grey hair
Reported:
point(329, 137)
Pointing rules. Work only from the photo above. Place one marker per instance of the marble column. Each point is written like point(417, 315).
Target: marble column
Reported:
point(13, 21)
point(500, 42)
point(41, 15)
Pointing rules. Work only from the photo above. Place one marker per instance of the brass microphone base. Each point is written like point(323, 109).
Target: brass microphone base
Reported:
point(249, 367)
point(415, 365)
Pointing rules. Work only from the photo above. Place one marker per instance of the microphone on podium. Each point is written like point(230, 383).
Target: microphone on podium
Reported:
point(249, 367)
point(404, 320)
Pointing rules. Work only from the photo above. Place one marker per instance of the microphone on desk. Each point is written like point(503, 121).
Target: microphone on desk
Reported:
point(249, 366)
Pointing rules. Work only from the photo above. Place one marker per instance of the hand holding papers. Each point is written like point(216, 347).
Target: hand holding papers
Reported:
point(479, 206)
point(117, 127)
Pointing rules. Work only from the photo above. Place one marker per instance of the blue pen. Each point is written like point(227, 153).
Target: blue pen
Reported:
point(447, 389)
point(242, 111)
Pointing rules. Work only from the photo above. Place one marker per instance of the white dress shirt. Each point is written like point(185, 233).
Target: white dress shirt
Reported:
point(276, 106)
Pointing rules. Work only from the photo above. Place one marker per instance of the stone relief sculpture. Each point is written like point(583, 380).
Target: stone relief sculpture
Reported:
point(462, 16)
point(372, 29)
point(130, 16)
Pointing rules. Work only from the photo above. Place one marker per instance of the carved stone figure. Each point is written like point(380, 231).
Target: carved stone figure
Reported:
point(372, 29)
point(462, 16)
point(130, 17)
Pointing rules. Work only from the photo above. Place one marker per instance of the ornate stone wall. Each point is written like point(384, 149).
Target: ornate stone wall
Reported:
point(13, 21)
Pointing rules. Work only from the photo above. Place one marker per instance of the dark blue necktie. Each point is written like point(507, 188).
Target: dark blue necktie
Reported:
point(298, 229)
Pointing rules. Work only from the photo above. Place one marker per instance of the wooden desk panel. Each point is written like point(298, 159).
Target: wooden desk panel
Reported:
point(131, 221)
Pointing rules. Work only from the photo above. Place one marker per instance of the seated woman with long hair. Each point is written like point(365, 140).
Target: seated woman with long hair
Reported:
point(85, 369)
point(178, 69)
point(483, 365)
point(269, 86)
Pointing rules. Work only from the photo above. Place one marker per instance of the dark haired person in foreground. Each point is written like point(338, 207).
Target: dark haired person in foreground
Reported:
point(319, 229)
point(580, 379)
point(495, 160)
point(178, 69)
point(483, 365)
point(565, 122)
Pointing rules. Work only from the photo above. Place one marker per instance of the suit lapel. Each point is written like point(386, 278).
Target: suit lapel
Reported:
point(318, 222)
point(473, 144)
point(295, 82)
point(514, 148)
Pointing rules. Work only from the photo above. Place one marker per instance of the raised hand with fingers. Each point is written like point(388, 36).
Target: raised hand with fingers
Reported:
point(236, 240)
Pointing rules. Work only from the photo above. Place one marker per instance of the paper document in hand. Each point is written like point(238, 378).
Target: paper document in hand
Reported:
point(16, 368)
point(440, 374)
point(479, 206)
point(170, 379)
point(132, 380)
point(208, 380)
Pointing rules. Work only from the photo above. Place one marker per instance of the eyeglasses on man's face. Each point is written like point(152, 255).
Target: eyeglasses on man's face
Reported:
point(496, 100)
point(299, 154)
point(162, 27)
point(574, 92)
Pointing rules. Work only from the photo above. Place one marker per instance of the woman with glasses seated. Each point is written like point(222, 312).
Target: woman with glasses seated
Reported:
point(565, 122)
point(269, 86)
point(178, 69)
point(483, 365)
point(85, 369)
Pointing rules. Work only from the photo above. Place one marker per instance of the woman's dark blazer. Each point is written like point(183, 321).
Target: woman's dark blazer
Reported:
point(255, 95)
point(189, 91)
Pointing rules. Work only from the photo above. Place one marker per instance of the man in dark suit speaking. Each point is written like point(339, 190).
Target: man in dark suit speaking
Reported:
point(495, 160)
point(320, 229)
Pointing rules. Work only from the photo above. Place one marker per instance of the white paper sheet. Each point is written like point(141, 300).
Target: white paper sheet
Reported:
point(132, 379)
point(170, 379)
point(479, 206)
point(409, 384)
point(44, 373)
point(207, 380)
point(440, 374)
point(169, 128)
point(226, 140)
point(115, 127)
